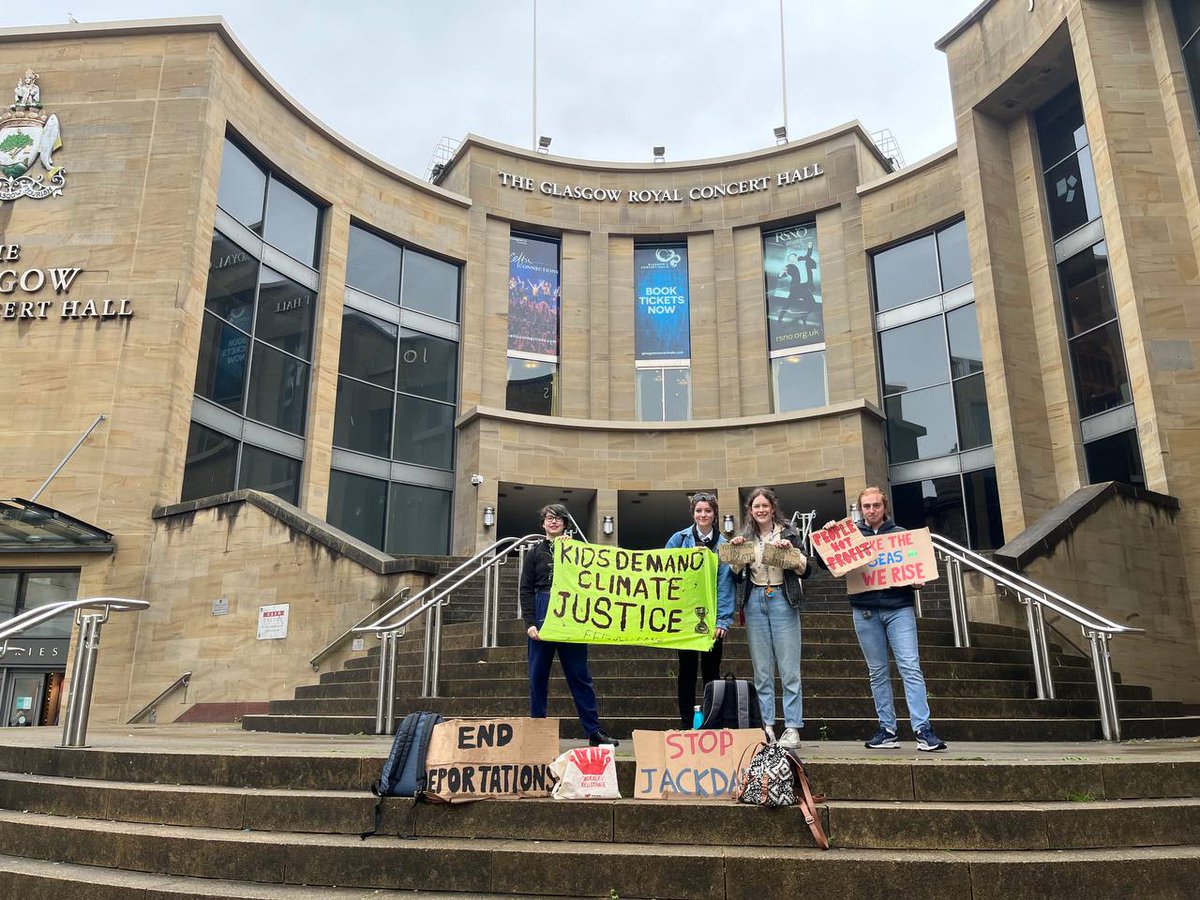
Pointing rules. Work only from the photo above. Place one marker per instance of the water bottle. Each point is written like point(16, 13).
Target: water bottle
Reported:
point(697, 718)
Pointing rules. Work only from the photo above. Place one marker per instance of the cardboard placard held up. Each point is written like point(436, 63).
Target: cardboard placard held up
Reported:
point(478, 758)
point(784, 557)
point(898, 558)
point(842, 546)
point(691, 765)
point(736, 554)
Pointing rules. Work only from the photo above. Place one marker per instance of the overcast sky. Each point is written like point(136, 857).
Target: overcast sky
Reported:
point(615, 77)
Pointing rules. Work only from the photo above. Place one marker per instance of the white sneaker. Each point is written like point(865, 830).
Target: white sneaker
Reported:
point(769, 731)
point(790, 739)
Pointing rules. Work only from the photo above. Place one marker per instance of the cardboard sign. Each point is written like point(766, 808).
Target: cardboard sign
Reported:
point(655, 598)
point(736, 554)
point(691, 765)
point(899, 558)
point(744, 554)
point(478, 758)
point(843, 547)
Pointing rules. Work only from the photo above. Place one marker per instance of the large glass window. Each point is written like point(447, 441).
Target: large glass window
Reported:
point(1103, 391)
point(1187, 24)
point(795, 317)
point(397, 398)
point(1115, 458)
point(664, 395)
point(256, 338)
point(22, 591)
point(964, 508)
point(267, 206)
point(533, 307)
point(931, 368)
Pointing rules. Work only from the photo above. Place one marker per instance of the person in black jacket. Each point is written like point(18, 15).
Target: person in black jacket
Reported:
point(770, 600)
point(883, 619)
point(536, 577)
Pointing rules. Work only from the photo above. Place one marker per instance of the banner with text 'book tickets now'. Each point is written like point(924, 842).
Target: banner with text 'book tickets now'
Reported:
point(654, 598)
point(899, 558)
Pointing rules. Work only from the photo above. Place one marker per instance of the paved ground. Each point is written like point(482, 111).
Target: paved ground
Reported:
point(230, 739)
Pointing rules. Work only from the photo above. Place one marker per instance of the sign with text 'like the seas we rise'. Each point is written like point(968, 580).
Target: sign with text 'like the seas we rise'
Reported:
point(842, 546)
point(655, 598)
point(900, 558)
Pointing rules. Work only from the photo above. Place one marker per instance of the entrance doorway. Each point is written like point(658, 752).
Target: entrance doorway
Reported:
point(827, 498)
point(23, 697)
point(518, 505)
point(645, 519)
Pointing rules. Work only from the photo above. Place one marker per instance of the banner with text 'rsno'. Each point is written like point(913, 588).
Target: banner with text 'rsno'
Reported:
point(654, 598)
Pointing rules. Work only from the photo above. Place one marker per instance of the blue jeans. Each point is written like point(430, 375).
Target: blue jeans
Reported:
point(773, 632)
point(574, 661)
point(878, 629)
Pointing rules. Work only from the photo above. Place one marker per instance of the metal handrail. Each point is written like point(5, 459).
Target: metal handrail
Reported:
point(805, 522)
point(578, 531)
point(83, 669)
point(1036, 598)
point(390, 630)
point(181, 682)
point(315, 662)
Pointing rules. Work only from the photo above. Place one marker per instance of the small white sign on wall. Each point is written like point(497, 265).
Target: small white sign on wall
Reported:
point(273, 621)
point(220, 607)
point(358, 644)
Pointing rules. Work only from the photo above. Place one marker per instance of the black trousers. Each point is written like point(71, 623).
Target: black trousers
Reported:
point(709, 663)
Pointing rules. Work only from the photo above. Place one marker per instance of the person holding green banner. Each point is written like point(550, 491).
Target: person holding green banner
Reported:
point(703, 533)
point(537, 574)
point(770, 601)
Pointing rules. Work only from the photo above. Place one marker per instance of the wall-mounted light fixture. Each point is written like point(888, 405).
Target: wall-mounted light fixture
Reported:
point(727, 523)
point(489, 516)
point(660, 153)
point(543, 144)
point(781, 134)
point(607, 526)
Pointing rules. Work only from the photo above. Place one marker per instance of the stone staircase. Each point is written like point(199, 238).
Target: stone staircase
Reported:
point(181, 812)
point(984, 693)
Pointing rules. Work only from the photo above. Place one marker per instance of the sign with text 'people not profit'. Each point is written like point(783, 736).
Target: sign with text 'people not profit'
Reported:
point(842, 546)
point(900, 558)
point(655, 598)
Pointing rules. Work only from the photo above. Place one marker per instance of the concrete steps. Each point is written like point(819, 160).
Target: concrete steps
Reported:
point(178, 813)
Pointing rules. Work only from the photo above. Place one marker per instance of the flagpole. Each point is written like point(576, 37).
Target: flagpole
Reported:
point(782, 66)
point(534, 140)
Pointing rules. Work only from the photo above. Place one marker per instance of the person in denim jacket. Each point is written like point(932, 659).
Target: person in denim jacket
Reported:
point(703, 533)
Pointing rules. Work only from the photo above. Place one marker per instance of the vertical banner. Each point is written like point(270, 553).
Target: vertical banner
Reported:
point(660, 289)
point(533, 292)
point(792, 268)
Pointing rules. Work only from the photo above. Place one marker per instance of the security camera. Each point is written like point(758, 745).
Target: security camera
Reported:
point(477, 479)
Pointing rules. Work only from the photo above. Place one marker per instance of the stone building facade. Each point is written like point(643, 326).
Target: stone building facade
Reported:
point(255, 303)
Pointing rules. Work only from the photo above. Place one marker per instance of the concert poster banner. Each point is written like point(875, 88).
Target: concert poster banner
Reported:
point(662, 329)
point(533, 295)
point(792, 268)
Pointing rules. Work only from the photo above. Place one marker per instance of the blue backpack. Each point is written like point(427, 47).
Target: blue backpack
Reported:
point(403, 773)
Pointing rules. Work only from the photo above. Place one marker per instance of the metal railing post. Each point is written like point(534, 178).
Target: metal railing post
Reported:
point(964, 623)
point(955, 624)
point(487, 609)
point(1035, 648)
point(1110, 721)
point(496, 606)
point(83, 676)
point(426, 650)
point(917, 604)
point(436, 614)
point(1039, 622)
point(387, 641)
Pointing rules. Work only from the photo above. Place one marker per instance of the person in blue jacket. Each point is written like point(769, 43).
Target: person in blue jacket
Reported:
point(703, 533)
point(886, 619)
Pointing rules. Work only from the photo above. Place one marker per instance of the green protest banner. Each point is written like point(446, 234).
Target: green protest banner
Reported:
point(655, 598)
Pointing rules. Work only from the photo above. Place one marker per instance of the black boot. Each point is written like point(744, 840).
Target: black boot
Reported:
point(601, 737)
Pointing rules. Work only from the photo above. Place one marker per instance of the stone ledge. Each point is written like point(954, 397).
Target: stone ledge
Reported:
point(1058, 524)
point(318, 530)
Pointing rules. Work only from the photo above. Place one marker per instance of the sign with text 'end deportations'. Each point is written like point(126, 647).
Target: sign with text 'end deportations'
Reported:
point(655, 598)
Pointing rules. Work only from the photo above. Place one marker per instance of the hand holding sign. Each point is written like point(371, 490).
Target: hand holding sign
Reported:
point(842, 546)
point(898, 559)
